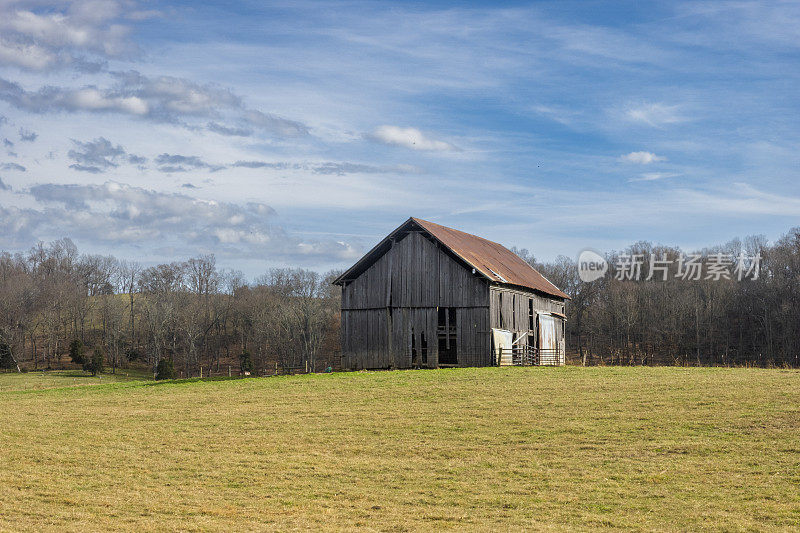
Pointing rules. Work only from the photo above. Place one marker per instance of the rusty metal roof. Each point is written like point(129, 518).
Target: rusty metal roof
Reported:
point(494, 261)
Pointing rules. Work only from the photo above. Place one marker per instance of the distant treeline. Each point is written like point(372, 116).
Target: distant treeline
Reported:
point(190, 312)
point(196, 315)
point(685, 321)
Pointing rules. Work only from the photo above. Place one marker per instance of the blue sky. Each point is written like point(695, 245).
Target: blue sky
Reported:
point(301, 133)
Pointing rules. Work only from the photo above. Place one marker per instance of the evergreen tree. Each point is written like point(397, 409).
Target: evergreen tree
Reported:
point(95, 364)
point(165, 369)
point(6, 360)
point(77, 352)
point(245, 362)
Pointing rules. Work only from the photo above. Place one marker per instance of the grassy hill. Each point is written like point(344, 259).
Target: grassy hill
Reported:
point(486, 449)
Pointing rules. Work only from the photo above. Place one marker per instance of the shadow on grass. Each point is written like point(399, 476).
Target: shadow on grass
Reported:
point(182, 381)
point(60, 373)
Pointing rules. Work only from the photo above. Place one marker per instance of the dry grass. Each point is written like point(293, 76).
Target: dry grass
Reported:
point(479, 449)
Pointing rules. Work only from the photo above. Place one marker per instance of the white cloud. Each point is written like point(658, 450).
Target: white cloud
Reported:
point(642, 158)
point(655, 114)
point(653, 176)
point(27, 56)
point(39, 38)
point(410, 138)
point(91, 99)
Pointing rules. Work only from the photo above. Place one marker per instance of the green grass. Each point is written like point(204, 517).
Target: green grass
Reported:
point(53, 379)
point(480, 449)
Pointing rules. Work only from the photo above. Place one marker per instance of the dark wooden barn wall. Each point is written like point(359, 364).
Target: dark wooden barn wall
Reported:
point(401, 292)
point(472, 325)
point(415, 273)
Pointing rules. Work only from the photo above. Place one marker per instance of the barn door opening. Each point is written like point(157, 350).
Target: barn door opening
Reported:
point(419, 350)
point(448, 338)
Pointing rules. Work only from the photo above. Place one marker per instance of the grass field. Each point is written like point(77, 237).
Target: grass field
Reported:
point(481, 449)
point(54, 379)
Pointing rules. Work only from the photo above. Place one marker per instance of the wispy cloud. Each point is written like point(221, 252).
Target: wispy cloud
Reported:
point(13, 166)
point(183, 163)
point(343, 168)
point(275, 124)
point(160, 99)
point(339, 168)
point(229, 131)
point(410, 138)
point(100, 155)
point(265, 164)
point(655, 114)
point(653, 176)
point(559, 114)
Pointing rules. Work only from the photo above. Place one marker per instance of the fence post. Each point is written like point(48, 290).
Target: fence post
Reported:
point(201, 372)
point(229, 370)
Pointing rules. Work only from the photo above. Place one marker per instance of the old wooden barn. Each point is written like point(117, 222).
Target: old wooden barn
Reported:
point(432, 296)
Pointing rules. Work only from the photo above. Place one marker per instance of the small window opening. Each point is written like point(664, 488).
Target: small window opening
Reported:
point(530, 314)
point(500, 307)
point(514, 324)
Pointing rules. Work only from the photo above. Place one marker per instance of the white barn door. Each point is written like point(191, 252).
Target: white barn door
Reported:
point(503, 340)
point(549, 354)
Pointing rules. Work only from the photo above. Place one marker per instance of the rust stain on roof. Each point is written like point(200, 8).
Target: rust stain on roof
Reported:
point(491, 259)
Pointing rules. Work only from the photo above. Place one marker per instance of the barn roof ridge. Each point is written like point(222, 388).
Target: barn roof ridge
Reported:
point(492, 260)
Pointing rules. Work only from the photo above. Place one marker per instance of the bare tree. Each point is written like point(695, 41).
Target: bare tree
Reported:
point(127, 280)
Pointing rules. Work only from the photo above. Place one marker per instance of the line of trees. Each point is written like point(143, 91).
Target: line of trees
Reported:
point(686, 322)
point(189, 313)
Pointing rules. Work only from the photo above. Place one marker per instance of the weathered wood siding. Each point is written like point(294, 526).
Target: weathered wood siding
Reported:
point(509, 309)
point(399, 295)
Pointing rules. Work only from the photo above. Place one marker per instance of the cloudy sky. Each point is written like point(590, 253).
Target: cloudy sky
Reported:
point(301, 133)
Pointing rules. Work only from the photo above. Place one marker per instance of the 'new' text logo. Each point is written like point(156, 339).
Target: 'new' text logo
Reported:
point(591, 265)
